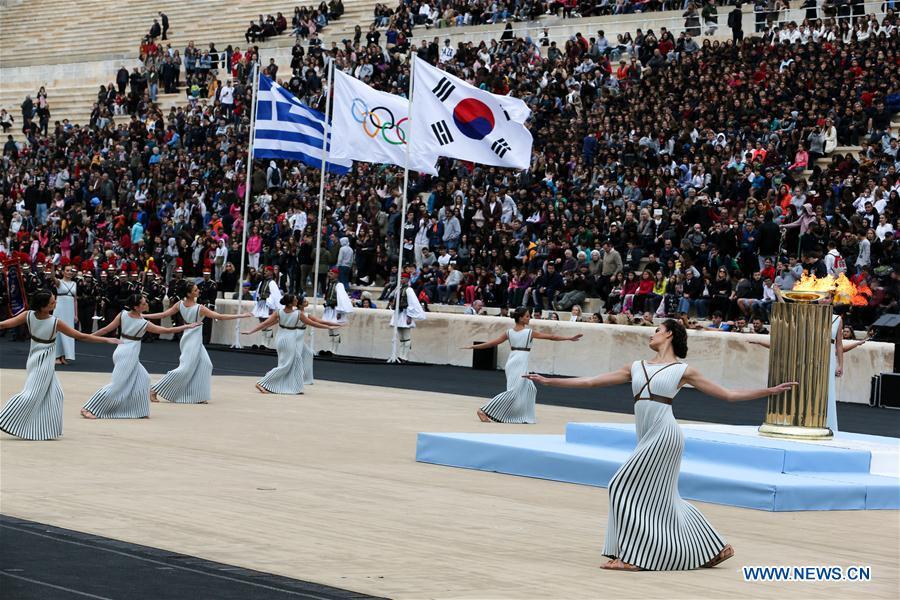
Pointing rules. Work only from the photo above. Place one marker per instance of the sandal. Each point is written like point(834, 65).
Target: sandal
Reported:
point(726, 553)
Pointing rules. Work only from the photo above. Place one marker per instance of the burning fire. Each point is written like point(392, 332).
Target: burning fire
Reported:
point(844, 290)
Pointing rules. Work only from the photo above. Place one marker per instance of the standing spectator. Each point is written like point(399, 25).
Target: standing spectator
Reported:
point(122, 79)
point(164, 18)
point(691, 21)
point(710, 15)
point(155, 30)
point(863, 259)
point(345, 262)
point(736, 23)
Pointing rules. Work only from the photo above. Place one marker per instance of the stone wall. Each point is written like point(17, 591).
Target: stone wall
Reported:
point(726, 358)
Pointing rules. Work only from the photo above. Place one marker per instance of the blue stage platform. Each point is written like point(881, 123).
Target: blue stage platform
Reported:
point(731, 465)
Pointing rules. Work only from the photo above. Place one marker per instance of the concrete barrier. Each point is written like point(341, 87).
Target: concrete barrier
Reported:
point(726, 358)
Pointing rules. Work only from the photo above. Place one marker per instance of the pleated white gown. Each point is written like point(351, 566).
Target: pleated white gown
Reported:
point(127, 396)
point(65, 311)
point(516, 404)
point(831, 419)
point(287, 376)
point(307, 355)
point(650, 526)
point(189, 383)
point(35, 413)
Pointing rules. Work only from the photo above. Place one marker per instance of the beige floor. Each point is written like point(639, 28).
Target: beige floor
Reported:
point(324, 487)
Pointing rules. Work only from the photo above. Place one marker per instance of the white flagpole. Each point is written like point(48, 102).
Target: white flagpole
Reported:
point(248, 183)
point(394, 355)
point(329, 69)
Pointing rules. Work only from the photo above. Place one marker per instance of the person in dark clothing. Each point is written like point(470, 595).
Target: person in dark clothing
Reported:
point(769, 239)
point(27, 111)
point(546, 287)
point(122, 79)
point(164, 18)
point(155, 30)
point(736, 23)
point(253, 33)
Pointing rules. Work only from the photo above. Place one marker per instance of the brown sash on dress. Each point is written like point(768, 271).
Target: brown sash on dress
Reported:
point(646, 386)
point(39, 340)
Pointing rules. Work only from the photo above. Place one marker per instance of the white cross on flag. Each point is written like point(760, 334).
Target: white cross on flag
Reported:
point(458, 120)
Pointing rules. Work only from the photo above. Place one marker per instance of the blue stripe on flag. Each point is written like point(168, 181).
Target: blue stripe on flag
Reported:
point(293, 123)
point(288, 136)
point(299, 156)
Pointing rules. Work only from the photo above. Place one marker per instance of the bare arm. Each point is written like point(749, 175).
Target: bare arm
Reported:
point(273, 318)
point(319, 324)
point(485, 345)
point(166, 313)
point(15, 321)
point(557, 338)
point(220, 317)
point(839, 349)
point(848, 346)
point(693, 377)
point(763, 343)
point(111, 327)
point(617, 377)
point(153, 328)
point(84, 337)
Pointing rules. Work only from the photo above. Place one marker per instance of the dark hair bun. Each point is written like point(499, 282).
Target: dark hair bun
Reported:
point(519, 313)
point(133, 301)
point(288, 299)
point(679, 337)
point(40, 299)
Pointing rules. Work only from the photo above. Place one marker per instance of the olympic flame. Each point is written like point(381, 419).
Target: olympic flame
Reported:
point(845, 292)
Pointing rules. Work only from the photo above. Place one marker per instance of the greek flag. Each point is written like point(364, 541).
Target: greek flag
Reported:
point(288, 129)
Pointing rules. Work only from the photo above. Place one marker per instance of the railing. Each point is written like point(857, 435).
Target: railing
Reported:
point(616, 24)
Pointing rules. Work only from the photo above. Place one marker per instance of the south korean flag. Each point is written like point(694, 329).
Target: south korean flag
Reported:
point(454, 119)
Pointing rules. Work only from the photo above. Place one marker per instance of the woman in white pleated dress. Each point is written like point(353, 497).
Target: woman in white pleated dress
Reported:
point(288, 376)
point(190, 382)
point(67, 311)
point(649, 526)
point(127, 396)
point(516, 404)
point(35, 413)
point(307, 352)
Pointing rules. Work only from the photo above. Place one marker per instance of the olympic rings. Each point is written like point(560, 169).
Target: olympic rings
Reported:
point(379, 118)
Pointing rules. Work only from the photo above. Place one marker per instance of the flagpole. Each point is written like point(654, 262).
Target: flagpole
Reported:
point(394, 358)
point(248, 183)
point(326, 149)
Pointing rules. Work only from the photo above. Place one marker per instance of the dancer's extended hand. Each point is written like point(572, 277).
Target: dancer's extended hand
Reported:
point(576, 337)
point(113, 341)
point(536, 378)
point(839, 371)
point(195, 325)
point(783, 387)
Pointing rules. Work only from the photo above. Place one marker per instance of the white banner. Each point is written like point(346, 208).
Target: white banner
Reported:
point(372, 126)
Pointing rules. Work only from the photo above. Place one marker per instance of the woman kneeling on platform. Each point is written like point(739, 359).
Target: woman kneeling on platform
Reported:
point(650, 527)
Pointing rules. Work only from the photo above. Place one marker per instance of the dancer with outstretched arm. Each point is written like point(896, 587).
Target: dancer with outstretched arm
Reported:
point(288, 376)
point(127, 395)
point(190, 382)
point(650, 527)
point(516, 404)
point(35, 413)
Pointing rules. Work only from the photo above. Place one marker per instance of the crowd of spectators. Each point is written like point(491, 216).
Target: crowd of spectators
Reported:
point(667, 180)
point(456, 13)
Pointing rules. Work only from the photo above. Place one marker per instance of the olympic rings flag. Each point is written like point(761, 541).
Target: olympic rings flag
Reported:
point(372, 126)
